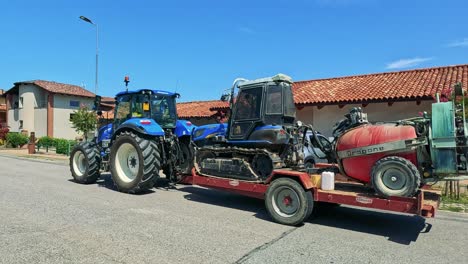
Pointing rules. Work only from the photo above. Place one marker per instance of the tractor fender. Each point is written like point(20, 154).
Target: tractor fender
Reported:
point(105, 132)
point(184, 128)
point(143, 126)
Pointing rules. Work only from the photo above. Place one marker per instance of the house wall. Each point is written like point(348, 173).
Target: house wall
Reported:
point(325, 118)
point(40, 122)
point(62, 110)
point(26, 108)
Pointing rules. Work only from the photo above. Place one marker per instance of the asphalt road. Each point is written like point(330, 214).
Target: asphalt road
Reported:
point(47, 218)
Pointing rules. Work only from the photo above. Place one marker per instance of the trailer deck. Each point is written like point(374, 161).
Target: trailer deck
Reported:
point(424, 204)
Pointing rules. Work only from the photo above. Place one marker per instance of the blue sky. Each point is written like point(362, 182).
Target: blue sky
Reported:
point(199, 47)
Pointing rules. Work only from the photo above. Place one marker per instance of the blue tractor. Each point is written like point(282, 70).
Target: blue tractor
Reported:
point(262, 133)
point(144, 138)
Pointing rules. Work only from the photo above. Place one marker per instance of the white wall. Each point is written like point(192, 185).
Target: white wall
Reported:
point(62, 110)
point(325, 118)
point(40, 122)
point(26, 109)
point(13, 115)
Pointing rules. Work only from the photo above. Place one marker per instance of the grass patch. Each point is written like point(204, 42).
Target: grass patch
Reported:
point(463, 199)
point(451, 208)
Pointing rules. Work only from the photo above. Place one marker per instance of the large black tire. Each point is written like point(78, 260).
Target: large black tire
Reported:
point(187, 153)
point(395, 176)
point(287, 202)
point(134, 163)
point(85, 163)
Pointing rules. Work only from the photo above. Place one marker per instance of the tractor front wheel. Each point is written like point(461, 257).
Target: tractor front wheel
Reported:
point(85, 163)
point(287, 202)
point(134, 162)
point(395, 176)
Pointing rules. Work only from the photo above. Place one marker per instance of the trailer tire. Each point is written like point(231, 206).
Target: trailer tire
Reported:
point(85, 163)
point(287, 202)
point(134, 162)
point(395, 176)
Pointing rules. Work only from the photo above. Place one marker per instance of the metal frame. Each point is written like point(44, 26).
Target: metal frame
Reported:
point(424, 204)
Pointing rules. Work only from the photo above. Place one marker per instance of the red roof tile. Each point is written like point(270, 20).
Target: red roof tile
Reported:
point(60, 88)
point(199, 108)
point(402, 85)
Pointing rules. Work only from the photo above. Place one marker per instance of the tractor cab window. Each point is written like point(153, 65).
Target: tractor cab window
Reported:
point(163, 110)
point(274, 102)
point(137, 105)
point(248, 104)
point(122, 110)
point(289, 107)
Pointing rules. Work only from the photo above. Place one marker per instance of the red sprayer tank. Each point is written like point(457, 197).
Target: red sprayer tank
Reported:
point(359, 151)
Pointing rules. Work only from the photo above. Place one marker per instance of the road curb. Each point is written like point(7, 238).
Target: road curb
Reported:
point(36, 159)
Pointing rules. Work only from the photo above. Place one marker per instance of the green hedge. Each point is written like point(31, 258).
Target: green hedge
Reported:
point(46, 142)
point(63, 146)
point(16, 139)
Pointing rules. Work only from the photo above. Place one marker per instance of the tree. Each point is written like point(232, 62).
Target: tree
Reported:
point(84, 121)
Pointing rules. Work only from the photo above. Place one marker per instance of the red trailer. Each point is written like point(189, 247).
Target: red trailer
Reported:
point(290, 195)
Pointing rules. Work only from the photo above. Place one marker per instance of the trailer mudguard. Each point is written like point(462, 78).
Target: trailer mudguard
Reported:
point(144, 126)
point(184, 128)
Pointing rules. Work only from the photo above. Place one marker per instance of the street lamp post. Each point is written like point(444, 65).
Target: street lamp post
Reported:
point(97, 49)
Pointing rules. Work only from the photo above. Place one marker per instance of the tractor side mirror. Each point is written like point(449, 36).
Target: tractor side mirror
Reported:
point(97, 101)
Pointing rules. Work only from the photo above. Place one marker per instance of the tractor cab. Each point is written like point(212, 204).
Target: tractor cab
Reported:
point(160, 106)
point(261, 105)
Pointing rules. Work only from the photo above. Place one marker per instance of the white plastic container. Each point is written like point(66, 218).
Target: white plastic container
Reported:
point(328, 180)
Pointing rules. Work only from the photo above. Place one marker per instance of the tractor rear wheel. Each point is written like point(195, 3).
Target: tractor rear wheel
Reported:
point(287, 202)
point(395, 176)
point(134, 162)
point(85, 163)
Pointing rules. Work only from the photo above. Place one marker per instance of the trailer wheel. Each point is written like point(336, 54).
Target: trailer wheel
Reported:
point(287, 202)
point(395, 176)
point(134, 162)
point(85, 163)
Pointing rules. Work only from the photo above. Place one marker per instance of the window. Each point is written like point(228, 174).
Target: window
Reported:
point(122, 109)
point(74, 103)
point(71, 116)
point(248, 104)
point(21, 102)
point(274, 100)
point(21, 124)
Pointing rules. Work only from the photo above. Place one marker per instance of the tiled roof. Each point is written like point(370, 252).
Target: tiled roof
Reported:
point(402, 85)
point(2, 107)
point(60, 88)
point(199, 108)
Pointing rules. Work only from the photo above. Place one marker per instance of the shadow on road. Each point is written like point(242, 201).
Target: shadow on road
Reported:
point(226, 199)
point(401, 229)
point(106, 181)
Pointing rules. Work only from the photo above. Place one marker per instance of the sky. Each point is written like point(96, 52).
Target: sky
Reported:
point(197, 48)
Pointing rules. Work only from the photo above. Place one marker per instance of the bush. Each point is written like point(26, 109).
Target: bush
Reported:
point(3, 132)
point(46, 142)
point(63, 146)
point(16, 139)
